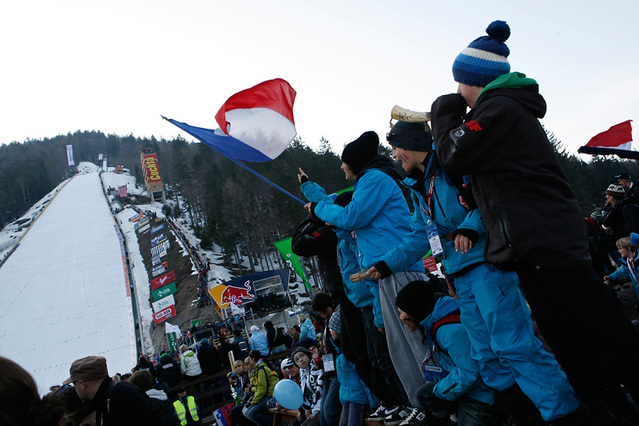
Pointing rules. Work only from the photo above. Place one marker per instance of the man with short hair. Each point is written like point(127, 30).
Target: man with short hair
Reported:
point(241, 348)
point(115, 404)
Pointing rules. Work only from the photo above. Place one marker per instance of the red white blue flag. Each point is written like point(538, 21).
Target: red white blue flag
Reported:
point(616, 140)
point(256, 124)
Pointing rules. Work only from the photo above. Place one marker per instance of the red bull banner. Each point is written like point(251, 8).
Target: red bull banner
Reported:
point(246, 288)
point(164, 314)
point(163, 280)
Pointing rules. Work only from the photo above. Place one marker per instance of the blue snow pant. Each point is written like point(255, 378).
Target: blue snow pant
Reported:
point(331, 408)
point(503, 342)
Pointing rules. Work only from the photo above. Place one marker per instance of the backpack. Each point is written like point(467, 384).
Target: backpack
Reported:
point(431, 369)
point(313, 238)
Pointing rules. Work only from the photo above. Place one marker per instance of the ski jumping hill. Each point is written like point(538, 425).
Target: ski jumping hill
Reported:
point(65, 293)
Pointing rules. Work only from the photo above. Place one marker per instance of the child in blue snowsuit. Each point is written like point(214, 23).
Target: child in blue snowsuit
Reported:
point(492, 308)
point(462, 390)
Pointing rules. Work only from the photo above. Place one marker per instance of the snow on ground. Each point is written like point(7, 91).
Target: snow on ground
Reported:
point(64, 293)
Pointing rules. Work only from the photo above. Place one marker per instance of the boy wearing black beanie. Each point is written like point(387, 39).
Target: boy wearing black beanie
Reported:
point(379, 218)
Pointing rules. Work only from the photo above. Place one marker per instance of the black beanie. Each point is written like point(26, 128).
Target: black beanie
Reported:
point(359, 152)
point(410, 136)
point(416, 299)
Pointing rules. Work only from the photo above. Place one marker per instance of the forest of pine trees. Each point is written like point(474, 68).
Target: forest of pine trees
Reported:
point(224, 203)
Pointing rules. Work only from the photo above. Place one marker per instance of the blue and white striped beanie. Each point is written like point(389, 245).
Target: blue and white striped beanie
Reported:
point(485, 58)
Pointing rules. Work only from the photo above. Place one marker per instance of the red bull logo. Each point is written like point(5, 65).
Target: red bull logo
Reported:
point(237, 295)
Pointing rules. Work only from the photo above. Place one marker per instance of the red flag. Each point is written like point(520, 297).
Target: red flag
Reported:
point(617, 140)
point(618, 136)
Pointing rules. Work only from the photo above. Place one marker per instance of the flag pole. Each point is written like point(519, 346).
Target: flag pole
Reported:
point(273, 184)
point(246, 168)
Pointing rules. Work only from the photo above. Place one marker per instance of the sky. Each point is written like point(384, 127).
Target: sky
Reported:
point(117, 66)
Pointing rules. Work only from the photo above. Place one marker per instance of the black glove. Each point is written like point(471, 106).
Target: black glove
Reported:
point(383, 269)
point(453, 103)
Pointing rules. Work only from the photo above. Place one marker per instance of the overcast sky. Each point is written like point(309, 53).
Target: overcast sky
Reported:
point(117, 65)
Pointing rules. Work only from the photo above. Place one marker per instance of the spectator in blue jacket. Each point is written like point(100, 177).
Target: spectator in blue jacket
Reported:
point(307, 329)
point(258, 341)
point(492, 307)
point(462, 390)
point(379, 218)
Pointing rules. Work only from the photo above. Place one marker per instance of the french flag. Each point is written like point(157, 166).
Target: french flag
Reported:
point(256, 124)
point(616, 140)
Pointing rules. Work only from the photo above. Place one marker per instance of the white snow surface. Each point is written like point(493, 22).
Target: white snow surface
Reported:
point(64, 289)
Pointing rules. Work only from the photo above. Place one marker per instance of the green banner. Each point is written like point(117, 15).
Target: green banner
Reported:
point(163, 291)
point(285, 248)
point(195, 322)
point(173, 346)
point(350, 188)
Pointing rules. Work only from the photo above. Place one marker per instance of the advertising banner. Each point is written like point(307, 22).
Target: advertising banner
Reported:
point(157, 239)
point(161, 249)
point(164, 315)
point(163, 291)
point(152, 168)
point(157, 228)
point(165, 279)
point(122, 193)
point(244, 289)
point(172, 342)
point(164, 303)
point(158, 270)
point(142, 222)
point(70, 155)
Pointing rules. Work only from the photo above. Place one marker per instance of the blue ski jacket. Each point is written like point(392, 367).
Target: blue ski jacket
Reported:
point(378, 215)
point(449, 217)
point(463, 371)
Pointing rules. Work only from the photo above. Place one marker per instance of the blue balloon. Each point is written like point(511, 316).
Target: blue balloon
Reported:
point(288, 394)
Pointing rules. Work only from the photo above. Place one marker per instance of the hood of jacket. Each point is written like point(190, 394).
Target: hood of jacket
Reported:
point(517, 86)
point(382, 163)
point(444, 306)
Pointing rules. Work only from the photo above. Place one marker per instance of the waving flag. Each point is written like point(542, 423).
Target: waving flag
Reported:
point(616, 140)
point(256, 124)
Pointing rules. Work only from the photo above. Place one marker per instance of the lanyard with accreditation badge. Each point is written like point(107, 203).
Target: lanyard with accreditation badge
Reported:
point(431, 229)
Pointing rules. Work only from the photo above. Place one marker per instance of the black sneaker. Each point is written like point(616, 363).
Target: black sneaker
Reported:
point(398, 416)
point(416, 417)
point(382, 412)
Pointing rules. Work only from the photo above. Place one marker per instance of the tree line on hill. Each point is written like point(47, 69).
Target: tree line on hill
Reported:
point(225, 204)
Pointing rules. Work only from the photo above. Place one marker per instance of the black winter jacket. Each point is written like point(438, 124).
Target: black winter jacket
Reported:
point(125, 404)
point(529, 210)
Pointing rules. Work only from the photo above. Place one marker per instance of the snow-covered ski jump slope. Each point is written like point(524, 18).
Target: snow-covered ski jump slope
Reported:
point(63, 293)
